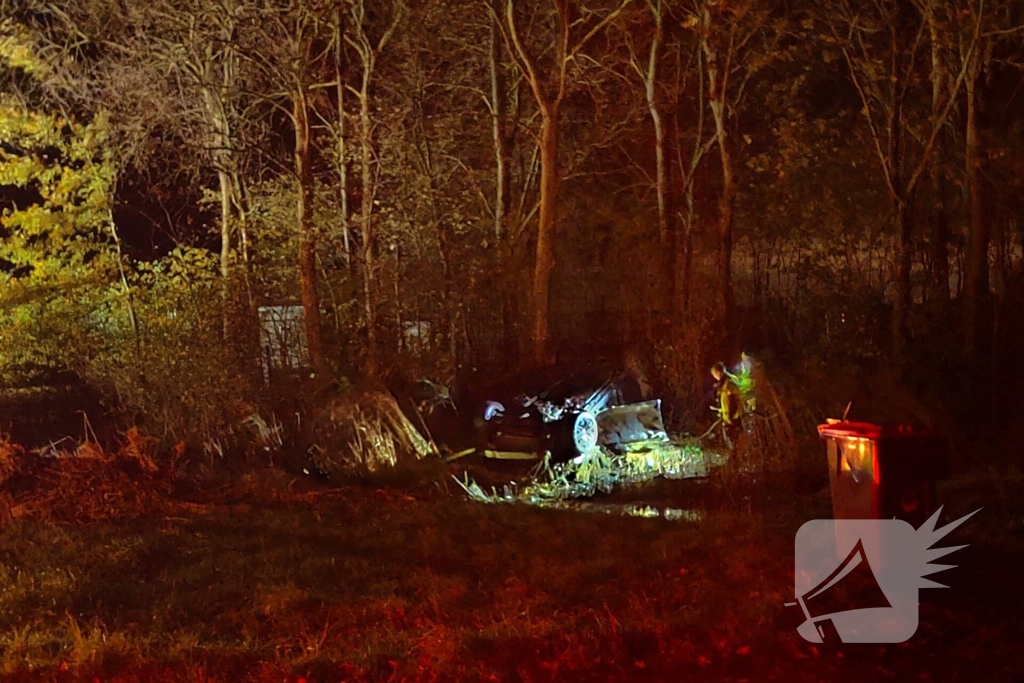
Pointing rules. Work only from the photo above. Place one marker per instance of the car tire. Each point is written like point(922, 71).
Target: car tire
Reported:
point(573, 435)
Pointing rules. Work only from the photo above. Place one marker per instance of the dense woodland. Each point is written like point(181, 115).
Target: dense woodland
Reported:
point(460, 187)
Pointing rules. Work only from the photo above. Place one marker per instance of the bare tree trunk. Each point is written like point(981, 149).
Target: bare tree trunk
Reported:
point(684, 286)
point(226, 192)
point(368, 52)
point(725, 204)
point(938, 216)
point(366, 219)
point(684, 247)
point(548, 92)
point(903, 263)
point(307, 238)
point(661, 172)
point(217, 112)
point(220, 142)
point(725, 224)
point(498, 128)
point(242, 212)
point(502, 198)
point(221, 145)
point(341, 152)
point(241, 203)
point(683, 252)
point(976, 282)
point(665, 284)
point(545, 257)
point(999, 278)
point(939, 219)
point(717, 76)
point(129, 294)
point(650, 78)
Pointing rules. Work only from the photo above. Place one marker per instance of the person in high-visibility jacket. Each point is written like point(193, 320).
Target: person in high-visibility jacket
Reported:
point(730, 399)
point(747, 378)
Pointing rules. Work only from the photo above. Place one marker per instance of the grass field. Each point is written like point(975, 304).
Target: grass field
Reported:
point(261, 581)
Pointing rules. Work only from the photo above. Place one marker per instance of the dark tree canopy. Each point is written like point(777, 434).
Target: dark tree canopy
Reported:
point(464, 187)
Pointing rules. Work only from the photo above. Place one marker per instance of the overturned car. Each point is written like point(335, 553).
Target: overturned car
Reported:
point(566, 412)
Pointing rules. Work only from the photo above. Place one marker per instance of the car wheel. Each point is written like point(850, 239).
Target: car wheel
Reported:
point(574, 435)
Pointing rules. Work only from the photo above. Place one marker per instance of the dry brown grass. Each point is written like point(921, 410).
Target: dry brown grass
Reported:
point(82, 482)
point(268, 579)
point(12, 458)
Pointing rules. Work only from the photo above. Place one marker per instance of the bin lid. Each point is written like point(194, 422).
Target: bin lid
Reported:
point(905, 452)
point(867, 430)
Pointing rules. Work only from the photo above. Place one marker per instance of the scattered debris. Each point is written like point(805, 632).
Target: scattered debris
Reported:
point(600, 471)
point(506, 455)
point(463, 453)
point(633, 423)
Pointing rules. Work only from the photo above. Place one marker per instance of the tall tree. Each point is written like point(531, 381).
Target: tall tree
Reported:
point(340, 131)
point(647, 69)
point(692, 143)
point(936, 15)
point(990, 22)
point(497, 106)
point(881, 47)
point(368, 48)
point(289, 50)
point(478, 70)
point(568, 36)
point(195, 46)
point(736, 40)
